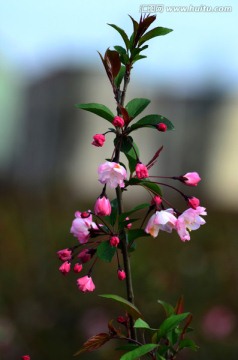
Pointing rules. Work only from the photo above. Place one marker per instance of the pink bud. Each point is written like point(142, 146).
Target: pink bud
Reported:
point(114, 241)
point(78, 267)
point(156, 201)
point(193, 202)
point(85, 214)
point(121, 274)
point(129, 225)
point(98, 140)
point(85, 255)
point(65, 268)
point(191, 179)
point(85, 284)
point(25, 357)
point(64, 254)
point(141, 171)
point(118, 121)
point(161, 127)
point(102, 206)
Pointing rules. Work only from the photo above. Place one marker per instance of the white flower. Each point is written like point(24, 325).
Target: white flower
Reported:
point(112, 174)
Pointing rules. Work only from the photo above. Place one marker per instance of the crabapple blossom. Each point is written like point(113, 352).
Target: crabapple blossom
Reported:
point(64, 254)
point(65, 268)
point(112, 174)
point(193, 202)
point(190, 220)
point(85, 255)
point(114, 241)
point(98, 140)
point(118, 121)
point(161, 127)
point(141, 171)
point(25, 357)
point(81, 227)
point(156, 201)
point(85, 284)
point(191, 178)
point(161, 220)
point(102, 206)
point(121, 274)
point(78, 267)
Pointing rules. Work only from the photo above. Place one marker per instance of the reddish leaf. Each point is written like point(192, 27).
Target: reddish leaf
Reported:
point(154, 158)
point(112, 59)
point(125, 114)
point(94, 343)
point(179, 308)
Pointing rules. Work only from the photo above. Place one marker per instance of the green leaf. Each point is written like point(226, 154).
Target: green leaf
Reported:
point(171, 323)
point(120, 76)
point(136, 208)
point(113, 215)
point(140, 351)
point(105, 251)
point(98, 109)
point(151, 121)
point(128, 306)
point(169, 310)
point(187, 343)
point(139, 57)
point(136, 106)
point(158, 31)
point(136, 234)
point(130, 149)
point(154, 188)
point(122, 33)
point(141, 324)
point(121, 50)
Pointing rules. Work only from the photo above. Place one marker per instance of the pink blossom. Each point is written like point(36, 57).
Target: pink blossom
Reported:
point(78, 267)
point(25, 357)
point(98, 140)
point(102, 206)
point(118, 121)
point(193, 202)
point(190, 220)
point(161, 127)
point(161, 220)
point(81, 227)
point(219, 322)
point(121, 274)
point(64, 254)
point(156, 201)
point(65, 268)
point(141, 171)
point(112, 174)
point(85, 255)
point(85, 283)
point(114, 241)
point(191, 179)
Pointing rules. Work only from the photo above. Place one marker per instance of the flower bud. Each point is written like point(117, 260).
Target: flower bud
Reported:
point(98, 140)
point(102, 206)
point(141, 171)
point(78, 267)
point(25, 357)
point(85, 255)
point(64, 254)
point(85, 214)
point(193, 202)
point(118, 121)
point(121, 274)
point(114, 241)
point(85, 284)
point(156, 201)
point(191, 179)
point(65, 268)
point(161, 127)
point(129, 225)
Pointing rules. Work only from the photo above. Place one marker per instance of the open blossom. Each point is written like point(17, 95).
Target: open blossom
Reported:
point(191, 179)
point(102, 206)
point(118, 121)
point(112, 174)
point(190, 220)
point(64, 254)
point(161, 220)
point(141, 171)
point(85, 283)
point(65, 268)
point(98, 140)
point(81, 227)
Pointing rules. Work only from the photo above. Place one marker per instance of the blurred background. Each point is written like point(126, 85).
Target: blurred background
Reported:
point(48, 63)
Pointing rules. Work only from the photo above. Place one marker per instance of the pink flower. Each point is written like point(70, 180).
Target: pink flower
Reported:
point(118, 121)
point(161, 127)
point(121, 274)
point(81, 227)
point(98, 140)
point(64, 254)
point(85, 255)
point(191, 179)
point(85, 284)
point(156, 201)
point(25, 357)
point(112, 174)
point(193, 202)
point(161, 220)
point(78, 267)
point(114, 241)
point(219, 322)
point(65, 268)
point(190, 220)
point(102, 206)
point(141, 171)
